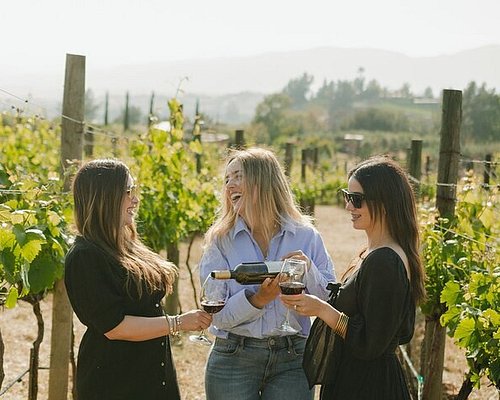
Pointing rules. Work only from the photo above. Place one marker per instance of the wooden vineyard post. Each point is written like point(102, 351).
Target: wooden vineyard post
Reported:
point(239, 141)
point(71, 149)
point(306, 203)
point(106, 109)
point(487, 171)
point(449, 153)
point(415, 167)
point(288, 158)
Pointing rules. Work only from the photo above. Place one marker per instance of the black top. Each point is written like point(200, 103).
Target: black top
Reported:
point(115, 369)
point(377, 299)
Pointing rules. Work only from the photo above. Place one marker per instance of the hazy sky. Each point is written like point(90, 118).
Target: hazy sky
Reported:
point(36, 34)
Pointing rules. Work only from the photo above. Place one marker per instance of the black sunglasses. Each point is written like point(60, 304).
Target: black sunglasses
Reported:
point(356, 199)
point(132, 191)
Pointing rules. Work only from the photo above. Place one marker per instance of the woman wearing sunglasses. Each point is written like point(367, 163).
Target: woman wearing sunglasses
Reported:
point(115, 285)
point(374, 310)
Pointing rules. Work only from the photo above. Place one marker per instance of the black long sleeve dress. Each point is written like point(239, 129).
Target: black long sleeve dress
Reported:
point(377, 298)
point(115, 369)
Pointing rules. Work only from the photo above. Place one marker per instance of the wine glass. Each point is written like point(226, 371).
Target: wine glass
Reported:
point(214, 293)
point(291, 282)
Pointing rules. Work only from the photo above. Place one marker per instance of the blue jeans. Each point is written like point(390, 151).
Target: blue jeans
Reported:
point(245, 368)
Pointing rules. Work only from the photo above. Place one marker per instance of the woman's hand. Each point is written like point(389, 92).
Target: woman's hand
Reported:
point(299, 255)
point(195, 320)
point(268, 291)
point(305, 304)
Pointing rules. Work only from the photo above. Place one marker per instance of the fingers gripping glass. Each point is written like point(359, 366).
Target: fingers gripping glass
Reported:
point(132, 191)
point(356, 199)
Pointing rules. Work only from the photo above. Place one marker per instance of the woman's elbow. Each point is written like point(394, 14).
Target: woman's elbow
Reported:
point(117, 333)
point(113, 334)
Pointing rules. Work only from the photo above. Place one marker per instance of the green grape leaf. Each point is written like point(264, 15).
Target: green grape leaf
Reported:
point(31, 249)
point(7, 239)
point(493, 316)
point(18, 230)
point(53, 218)
point(8, 261)
point(450, 293)
point(465, 329)
point(44, 272)
point(12, 297)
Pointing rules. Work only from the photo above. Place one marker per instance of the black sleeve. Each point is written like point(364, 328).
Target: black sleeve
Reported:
point(383, 292)
point(94, 288)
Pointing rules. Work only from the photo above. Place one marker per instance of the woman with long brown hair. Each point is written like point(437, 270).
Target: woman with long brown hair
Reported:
point(116, 285)
point(374, 311)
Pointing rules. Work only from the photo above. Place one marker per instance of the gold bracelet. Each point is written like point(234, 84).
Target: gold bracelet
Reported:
point(341, 327)
point(344, 326)
point(171, 328)
point(178, 323)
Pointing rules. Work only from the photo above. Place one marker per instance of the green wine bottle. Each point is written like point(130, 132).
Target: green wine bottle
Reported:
point(250, 273)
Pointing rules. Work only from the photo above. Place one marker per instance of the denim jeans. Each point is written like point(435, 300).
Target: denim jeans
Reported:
point(245, 368)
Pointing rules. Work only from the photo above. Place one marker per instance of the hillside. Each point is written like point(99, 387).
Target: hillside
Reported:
point(260, 74)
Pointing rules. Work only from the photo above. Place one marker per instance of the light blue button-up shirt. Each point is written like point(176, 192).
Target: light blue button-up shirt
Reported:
point(239, 316)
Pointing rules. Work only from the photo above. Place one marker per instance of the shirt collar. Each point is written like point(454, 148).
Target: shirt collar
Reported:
point(286, 225)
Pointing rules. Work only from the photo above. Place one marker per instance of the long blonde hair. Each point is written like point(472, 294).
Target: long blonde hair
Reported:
point(99, 189)
point(268, 197)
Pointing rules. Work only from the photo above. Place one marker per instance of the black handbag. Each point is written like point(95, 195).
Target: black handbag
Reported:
point(319, 360)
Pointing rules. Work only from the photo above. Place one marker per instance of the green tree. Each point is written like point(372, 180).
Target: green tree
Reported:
point(359, 82)
point(299, 89)
point(428, 93)
point(481, 113)
point(271, 113)
point(134, 115)
point(345, 94)
point(373, 90)
point(374, 119)
point(325, 94)
point(405, 91)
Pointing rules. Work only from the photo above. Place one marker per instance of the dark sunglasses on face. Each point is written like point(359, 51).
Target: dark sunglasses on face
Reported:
point(356, 199)
point(132, 191)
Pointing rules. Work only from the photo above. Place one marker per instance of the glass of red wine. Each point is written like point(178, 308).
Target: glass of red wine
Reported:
point(291, 282)
point(214, 293)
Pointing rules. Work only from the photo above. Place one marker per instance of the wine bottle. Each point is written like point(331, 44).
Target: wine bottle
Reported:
point(251, 273)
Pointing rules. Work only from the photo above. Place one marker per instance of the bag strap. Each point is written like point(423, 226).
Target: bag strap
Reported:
point(334, 288)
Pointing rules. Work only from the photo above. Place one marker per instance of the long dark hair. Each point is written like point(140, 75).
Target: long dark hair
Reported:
point(99, 189)
point(389, 194)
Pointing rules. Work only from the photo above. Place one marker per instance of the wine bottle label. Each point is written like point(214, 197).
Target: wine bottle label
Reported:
point(250, 273)
point(274, 266)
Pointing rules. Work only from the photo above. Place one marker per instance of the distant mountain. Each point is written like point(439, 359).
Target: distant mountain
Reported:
point(270, 72)
point(267, 73)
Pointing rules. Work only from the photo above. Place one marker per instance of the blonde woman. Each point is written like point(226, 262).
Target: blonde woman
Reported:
point(115, 285)
point(259, 221)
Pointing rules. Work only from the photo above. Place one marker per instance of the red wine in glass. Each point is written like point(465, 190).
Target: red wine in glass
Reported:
point(213, 307)
point(214, 294)
point(291, 287)
point(291, 282)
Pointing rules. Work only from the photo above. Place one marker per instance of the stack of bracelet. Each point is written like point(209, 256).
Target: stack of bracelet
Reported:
point(341, 328)
point(174, 324)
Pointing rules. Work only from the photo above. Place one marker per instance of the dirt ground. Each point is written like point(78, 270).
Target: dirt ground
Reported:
point(19, 325)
